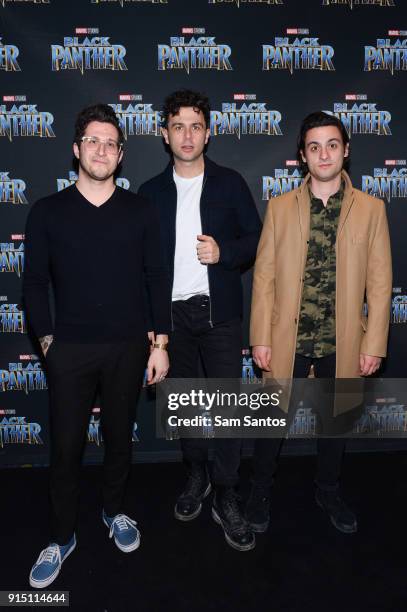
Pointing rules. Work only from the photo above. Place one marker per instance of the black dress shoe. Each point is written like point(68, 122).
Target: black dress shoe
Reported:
point(257, 510)
point(341, 516)
point(189, 503)
point(226, 512)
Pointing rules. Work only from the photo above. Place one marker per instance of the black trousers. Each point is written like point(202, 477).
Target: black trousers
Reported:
point(75, 372)
point(220, 348)
point(329, 450)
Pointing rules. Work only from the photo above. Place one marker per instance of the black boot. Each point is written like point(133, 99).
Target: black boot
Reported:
point(226, 512)
point(341, 516)
point(258, 508)
point(189, 503)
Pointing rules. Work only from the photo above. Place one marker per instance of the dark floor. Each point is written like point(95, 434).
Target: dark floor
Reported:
point(301, 564)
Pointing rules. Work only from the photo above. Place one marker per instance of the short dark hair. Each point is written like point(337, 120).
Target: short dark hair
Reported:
point(97, 112)
point(314, 120)
point(185, 98)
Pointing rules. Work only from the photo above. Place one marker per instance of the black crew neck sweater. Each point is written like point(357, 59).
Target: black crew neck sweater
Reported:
point(99, 259)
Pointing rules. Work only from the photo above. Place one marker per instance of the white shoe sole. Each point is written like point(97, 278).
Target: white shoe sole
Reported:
point(41, 584)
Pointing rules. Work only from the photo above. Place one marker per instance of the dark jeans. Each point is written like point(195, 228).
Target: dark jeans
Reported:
point(220, 348)
point(75, 372)
point(329, 450)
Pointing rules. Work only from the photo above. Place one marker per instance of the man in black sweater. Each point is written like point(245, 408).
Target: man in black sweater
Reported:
point(99, 337)
point(210, 229)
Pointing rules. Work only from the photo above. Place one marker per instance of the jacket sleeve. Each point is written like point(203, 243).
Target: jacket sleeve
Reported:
point(157, 290)
point(263, 291)
point(143, 192)
point(378, 288)
point(36, 273)
point(241, 251)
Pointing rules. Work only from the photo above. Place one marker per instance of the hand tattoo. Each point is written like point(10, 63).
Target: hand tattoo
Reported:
point(46, 342)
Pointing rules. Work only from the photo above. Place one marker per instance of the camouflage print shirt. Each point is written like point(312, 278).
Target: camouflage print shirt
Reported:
point(316, 328)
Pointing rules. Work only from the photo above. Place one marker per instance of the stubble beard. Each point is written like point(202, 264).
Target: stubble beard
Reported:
point(97, 177)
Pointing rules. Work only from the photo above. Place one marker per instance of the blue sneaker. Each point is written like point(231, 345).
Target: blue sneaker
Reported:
point(126, 535)
point(48, 564)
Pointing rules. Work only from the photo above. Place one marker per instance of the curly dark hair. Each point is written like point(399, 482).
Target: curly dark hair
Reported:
point(314, 120)
point(185, 98)
point(97, 112)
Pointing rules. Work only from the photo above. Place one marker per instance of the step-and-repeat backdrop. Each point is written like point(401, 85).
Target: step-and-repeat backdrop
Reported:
point(264, 63)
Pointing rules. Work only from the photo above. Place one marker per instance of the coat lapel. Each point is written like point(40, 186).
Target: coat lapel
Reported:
point(347, 203)
point(304, 216)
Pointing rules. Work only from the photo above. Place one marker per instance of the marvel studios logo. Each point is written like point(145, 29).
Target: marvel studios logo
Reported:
point(298, 31)
point(291, 162)
point(95, 410)
point(397, 32)
point(14, 98)
point(86, 30)
point(28, 357)
point(241, 96)
point(130, 97)
point(193, 30)
point(17, 236)
point(397, 290)
point(3, 298)
point(395, 162)
point(7, 411)
point(355, 97)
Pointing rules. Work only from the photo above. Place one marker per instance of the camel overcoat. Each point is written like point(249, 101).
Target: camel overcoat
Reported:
point(363, 268)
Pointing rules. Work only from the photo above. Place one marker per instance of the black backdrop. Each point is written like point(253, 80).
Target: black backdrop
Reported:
point(342, 56)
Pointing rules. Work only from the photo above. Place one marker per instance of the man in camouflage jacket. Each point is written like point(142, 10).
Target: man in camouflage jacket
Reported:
point(324, 247)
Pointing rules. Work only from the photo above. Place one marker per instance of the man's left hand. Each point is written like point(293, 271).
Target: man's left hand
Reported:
point(207, 250)
point(157, 366)
point(151, 338)
point(369, 364)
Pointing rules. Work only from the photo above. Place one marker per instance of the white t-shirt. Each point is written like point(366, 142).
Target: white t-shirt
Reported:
point(190, 276)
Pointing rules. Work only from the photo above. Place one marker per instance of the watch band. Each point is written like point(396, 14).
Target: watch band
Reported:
point(160, 345)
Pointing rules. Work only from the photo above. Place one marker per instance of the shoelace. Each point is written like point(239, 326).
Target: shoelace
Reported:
point(231, 509)
point(339, 504)
point(48, 555)
point(123, 523)
point(194, 485)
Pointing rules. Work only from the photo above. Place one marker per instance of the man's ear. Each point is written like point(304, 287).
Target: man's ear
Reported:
point(75, 150)
point(303, 157)
point(207, 135)
point(164, 134)
point(346, 154)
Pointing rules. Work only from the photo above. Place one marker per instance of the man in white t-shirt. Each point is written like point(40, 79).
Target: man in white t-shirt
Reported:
point(210, 230)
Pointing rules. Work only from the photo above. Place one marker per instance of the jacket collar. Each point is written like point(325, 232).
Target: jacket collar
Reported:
point(304, 203)
point(167, 177)
point(347, 202)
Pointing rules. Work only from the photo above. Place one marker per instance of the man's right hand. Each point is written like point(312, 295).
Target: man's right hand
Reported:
point(46, 342)
point(262, 357)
